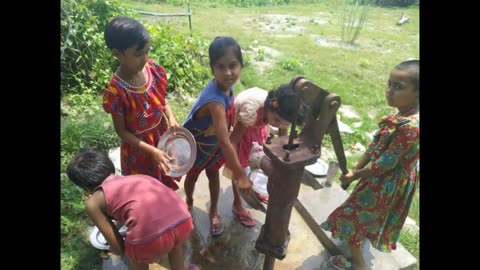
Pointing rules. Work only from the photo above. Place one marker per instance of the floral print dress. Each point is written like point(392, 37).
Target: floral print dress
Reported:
point(142, 110)
point(379, 204)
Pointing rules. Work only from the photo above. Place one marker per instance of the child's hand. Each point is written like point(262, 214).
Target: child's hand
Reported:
point(244, 184)
point(162, 159)
point(347, 178)
point(173, 124)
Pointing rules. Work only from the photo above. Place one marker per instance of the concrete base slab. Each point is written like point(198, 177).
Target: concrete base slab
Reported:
point(315, 206)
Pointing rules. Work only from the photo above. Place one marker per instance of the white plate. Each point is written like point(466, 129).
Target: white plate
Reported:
point(318, 169)
point(98, 240)
point(181, 147)
point(259, 180)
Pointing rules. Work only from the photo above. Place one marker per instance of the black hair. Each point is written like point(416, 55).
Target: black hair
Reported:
point(220, 45)
point(89, 168)
point(285, 99)
point(414, 67)
point(122, 33)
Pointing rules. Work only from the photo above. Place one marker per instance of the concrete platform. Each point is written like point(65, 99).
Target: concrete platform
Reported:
point(315, 206)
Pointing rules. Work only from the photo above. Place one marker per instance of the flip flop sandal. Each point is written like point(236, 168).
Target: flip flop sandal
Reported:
point(262, 198)
point(245, 218)
point(193, 267)
point(216, 227)
point(340, 262)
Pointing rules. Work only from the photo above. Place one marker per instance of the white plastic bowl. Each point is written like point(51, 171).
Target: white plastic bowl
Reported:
point(98, 240)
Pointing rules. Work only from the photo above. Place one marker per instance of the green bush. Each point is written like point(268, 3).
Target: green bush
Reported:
point(396, 3)
point(86, 62)
point(184, 58)
point(243, 3)
point(292, 64)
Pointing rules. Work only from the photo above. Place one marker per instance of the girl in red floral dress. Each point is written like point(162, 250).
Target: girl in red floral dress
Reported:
point(378, 206)
point(136, 99)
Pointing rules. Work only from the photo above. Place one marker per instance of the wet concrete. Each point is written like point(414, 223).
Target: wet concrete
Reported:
point(235, 248)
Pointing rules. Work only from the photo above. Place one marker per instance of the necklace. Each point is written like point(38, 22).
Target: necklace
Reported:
point(122, 77)
point(412, 111)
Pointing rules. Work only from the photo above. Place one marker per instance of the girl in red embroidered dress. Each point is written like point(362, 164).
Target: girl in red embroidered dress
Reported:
point(136, 99)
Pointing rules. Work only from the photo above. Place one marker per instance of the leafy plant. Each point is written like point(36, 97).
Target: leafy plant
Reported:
point(185, 58)
point(291, 64)
point(245, 3)
point(363, 63)
point(353, 17)
point(260, 55)
point(398, 3)
point(86, 63)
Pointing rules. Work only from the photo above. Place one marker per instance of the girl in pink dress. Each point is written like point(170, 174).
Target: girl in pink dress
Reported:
point(255, 111)
point(133, 200)
point(136, 99)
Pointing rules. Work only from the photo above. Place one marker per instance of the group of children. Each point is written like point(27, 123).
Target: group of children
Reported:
point(225, 127)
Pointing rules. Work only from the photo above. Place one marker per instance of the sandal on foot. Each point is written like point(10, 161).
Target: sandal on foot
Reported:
point(341, 263)
point(193, 267)
point(245, 218)
point(216, 226)
point(262, 198)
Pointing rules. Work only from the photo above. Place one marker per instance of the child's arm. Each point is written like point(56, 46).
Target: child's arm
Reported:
point(350, 176)
point(156, 154)
point(96, 211)
point(237, 133)
point(217, 112)
point(363, 162)
point(171, 117)
point(403, 145)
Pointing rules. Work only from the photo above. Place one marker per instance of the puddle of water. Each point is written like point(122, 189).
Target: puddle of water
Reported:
point(235, 248)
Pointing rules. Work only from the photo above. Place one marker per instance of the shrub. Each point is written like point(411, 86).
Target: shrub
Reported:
point(86, 62)
point(352, 18)
point(243, 3)
point(397, 3)
point(292, 64)
point(184, 58)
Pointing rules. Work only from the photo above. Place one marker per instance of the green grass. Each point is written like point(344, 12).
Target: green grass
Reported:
point(83, 124)
point(76, 252)
point(357, 75)
point(410, 239)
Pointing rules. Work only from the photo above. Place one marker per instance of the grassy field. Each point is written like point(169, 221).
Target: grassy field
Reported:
point(278, 43)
